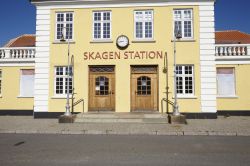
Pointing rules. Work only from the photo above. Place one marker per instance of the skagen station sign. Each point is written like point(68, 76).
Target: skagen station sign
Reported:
point(123, 55)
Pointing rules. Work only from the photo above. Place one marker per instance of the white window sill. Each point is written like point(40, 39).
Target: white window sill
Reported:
point(229, 97)
point(143, 41)
point(65, 42)
point(186, 97)
point(102, 41)
point(25, 96)
point(60, 97)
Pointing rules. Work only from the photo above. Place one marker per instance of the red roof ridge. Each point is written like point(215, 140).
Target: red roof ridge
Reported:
point(9, 43)
point(233, 31)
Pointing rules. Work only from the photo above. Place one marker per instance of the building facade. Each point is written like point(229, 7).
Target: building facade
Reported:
point(121, 59)
point(111, 75)
point(233, 64)
point(17, 63)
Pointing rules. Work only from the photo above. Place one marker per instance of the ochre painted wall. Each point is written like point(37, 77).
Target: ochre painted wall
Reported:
point(123, 23)
point(10, 99)
point(242, 99)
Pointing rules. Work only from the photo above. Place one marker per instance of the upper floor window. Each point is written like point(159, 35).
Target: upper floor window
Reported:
point(183, 22)
point(0, 82)
point(143, 23)
point(185, 79)
point(225, 82)
point(101, 25)
point(64, 25)
point(61, 80)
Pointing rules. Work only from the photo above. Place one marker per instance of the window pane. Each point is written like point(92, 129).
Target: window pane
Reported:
point(187, 29)
point(187, 14)
point(59, 31)
point(27, 83)
point(69, 17)
point(226, 82)
point(106, 30)
point(178, 27)
point(60, 17)
point(148, 29)
point(69, 31)
point(179, 85)
point(177, 14)
point(138, 30)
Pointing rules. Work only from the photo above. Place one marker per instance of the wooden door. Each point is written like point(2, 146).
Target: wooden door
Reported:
point(144, 92)
point(101, 91)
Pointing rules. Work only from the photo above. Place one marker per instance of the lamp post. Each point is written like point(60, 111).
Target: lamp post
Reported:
point(176, 107)
point(67, 111)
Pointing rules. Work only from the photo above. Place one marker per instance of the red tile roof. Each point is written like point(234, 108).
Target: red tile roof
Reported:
point(26, 40)
point(232, 37)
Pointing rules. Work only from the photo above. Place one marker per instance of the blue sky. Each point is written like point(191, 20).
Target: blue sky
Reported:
point(18, 17)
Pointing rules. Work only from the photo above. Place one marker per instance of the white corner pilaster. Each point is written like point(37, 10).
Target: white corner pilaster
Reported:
point(207, 59)
point(42, 60)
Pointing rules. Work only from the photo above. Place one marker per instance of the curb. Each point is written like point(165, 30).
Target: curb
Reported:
point(110, 132)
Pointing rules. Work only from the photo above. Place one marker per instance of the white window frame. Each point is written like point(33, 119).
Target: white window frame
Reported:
point(182, 19)
point(1, 82)
point(234, 83)
point(144, 20)
point(64, 22)
point(64, 76)
point(183, 75)
point(21, 84)
point(102, 21)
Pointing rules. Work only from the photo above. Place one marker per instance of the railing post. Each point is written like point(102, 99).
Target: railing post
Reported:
point(248, 50)
point(7, 54)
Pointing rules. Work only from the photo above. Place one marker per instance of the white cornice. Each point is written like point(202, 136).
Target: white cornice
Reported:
point(50, 4)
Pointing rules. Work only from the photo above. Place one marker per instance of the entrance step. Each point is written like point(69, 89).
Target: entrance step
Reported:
point(121, 118)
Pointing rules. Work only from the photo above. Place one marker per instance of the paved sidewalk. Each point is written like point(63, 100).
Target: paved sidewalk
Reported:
point(226, 126)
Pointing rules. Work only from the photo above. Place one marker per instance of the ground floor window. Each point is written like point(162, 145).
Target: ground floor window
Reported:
point(185, 79)
point(27, 83)
point(225, 82)
point(61, 80)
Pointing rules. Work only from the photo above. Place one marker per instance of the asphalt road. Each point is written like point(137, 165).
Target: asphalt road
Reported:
point(109, 150)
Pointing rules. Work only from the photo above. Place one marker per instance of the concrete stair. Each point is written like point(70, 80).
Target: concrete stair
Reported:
point(121, 118)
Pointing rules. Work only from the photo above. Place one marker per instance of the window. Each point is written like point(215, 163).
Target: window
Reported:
point(64, 20)
point(61, 81)
point(27, 83)
point(225, 82)
point(183, 22)
point(143, 85)
point(185, 80)
point(0, 82)
point(143, 24)
point(102, 25)
point(101, 86)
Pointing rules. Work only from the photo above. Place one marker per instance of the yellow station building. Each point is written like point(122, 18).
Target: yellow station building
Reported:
point(121, 56)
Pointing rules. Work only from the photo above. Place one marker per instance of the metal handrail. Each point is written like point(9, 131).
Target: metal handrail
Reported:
point(78, 102)
point(169, 102)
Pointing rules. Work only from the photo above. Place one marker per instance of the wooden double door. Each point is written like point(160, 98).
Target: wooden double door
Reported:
point(144, 89)
point(101, 89)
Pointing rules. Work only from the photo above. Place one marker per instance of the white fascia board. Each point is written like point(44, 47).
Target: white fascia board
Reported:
point(120, 3)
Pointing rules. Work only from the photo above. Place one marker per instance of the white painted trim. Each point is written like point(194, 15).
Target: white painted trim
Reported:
point(74, 5)
point(143, 25)
point(101, 22)
point(41, 89)
point(207, 59)
point(233, 62)
point(17, 64)
point(227, 97)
